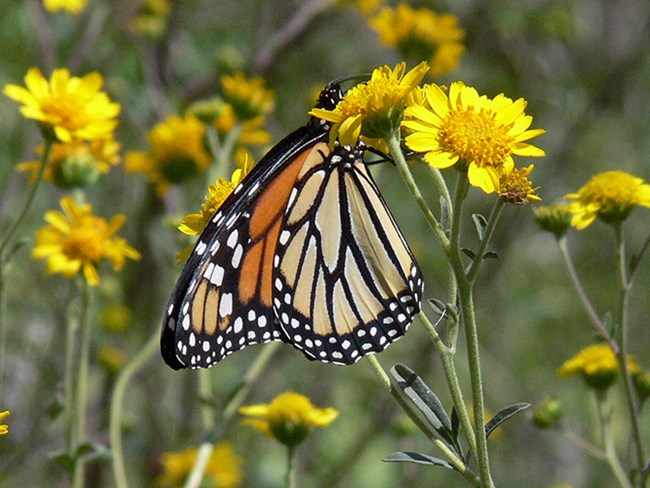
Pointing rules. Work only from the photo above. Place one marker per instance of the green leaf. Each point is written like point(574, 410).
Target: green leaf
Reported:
point(480, 223)
point(54, 409)
point(468, 252)
point(503, 415)
point(94, 451)
point(417, 458)
point(439, 308)
point(420, 401)
point(490, 255)
point(64, 459)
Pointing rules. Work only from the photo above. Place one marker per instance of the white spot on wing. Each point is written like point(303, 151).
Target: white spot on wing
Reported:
point(232, 239)
point(225, 305)
point(236, 257)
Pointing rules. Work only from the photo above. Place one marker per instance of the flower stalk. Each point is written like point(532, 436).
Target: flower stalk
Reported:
point(3, 247)
point(604, 418)
point(476, 435)
point(622, 352)
point(117, 402)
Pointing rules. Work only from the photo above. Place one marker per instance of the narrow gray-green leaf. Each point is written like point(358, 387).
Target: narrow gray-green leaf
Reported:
point(480, 223)
point(420, 400)
point(417, 458)
point(503, 415)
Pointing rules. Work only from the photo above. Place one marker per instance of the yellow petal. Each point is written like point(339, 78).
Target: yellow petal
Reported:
point(486, 178)
point(440, 160)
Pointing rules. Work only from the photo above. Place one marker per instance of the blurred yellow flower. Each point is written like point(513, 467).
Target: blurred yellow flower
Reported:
point(373, 109)
point(177, 152)
point(420, 33)
point(115, 318)
point(597, 364)
point(366, 7)
point(4, 428)
point(224, 468)
point(76, 163)
point(152, 18)
point(288, 418)
point(69, 107)
point(473, 132)
point(516, 188)
point(71, 6)
point(112, 358)
point(611, 196)
point(250, 132)
point(77, 241)
point(248, 96)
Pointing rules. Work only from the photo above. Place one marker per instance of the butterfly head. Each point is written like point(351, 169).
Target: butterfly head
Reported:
point(330, 96)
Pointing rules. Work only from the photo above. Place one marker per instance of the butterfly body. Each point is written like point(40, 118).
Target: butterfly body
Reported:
point(305, 251)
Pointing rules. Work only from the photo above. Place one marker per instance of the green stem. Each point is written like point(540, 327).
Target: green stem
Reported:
point(586, 303)
point(81, 394)
point(30, 198)
point(630, 392)
point(440, 185)
point(8, 235)
point(206, 448)
point(604, 417)
point(291, 474)
point(466, 299)
point(72, 326)
point(205, 392)
point(117, 401)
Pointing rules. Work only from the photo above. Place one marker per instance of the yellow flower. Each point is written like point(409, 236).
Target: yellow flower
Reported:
point(76, 163)
point(177, 152)
point(78, 241)
point(248, 96)
point(193, 224)
point(373, 109)
point(516, 188)
point(4, 428)
point(72, 6)
point(555, 219)
point(611, 196)
point(71, 107)
point(224, 468)
point(597, 364)
point(475, 133)
point(421, 34)
point(288, 418)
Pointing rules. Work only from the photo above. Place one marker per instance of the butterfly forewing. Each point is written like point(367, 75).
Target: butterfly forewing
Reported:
point(345, 282)
point(223, 299)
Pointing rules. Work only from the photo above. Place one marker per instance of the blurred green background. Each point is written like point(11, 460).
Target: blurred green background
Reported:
point(584, 68)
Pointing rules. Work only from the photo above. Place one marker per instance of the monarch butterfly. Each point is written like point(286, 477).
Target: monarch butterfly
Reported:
point(304, 250)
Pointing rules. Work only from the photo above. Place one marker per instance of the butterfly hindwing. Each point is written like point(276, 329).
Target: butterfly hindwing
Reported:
point(345, 282)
